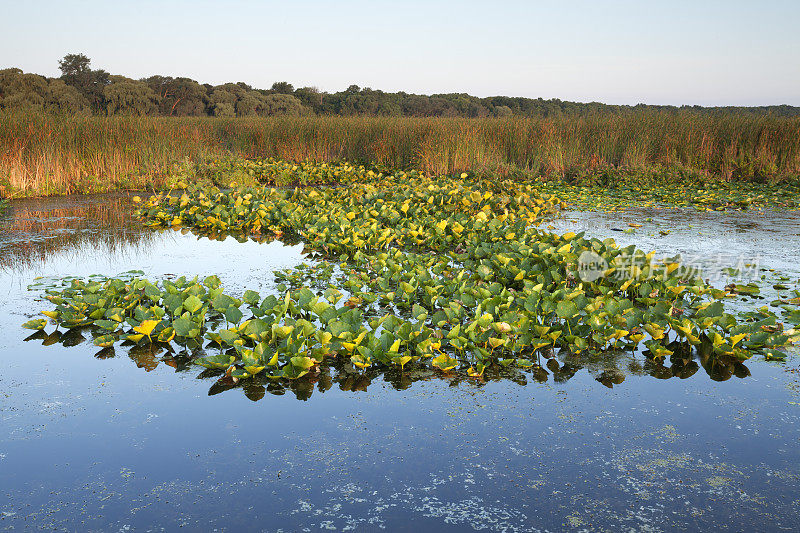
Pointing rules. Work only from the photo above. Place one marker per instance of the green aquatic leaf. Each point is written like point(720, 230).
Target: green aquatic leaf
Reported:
point(212, 282)
point(333, 295)
point(266, 354)
point(444, 362)
point(173, 303)
point(252, 363)
point(257, 329)
point(36, 323)
point(192, 304)
point(338, 328)
point(361, 360)
point(222, 361)
point(484, 272)
point(166, 335)
point(109, 325)
point(229, 336)
point(293, 372)
point(251, 297)
point(105, 341)
point(774, 355)
point(223, 302)
point(185, 327)
point(566, 309)
point(750, 289)
point(419, 312)
point(233, 315)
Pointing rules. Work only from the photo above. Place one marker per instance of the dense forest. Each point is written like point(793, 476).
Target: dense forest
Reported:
point(84, 90)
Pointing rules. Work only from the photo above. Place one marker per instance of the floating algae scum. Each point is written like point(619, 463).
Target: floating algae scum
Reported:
point(459, 368)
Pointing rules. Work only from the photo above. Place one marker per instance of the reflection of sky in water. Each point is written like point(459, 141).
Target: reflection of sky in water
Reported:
point(92, 443)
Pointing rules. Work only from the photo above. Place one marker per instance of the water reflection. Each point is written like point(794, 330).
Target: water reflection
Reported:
point(609, 369)
point(241, 237)
point(32, 230)
point(612, 367)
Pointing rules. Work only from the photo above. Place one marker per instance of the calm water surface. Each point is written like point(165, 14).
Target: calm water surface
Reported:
point(135, 440)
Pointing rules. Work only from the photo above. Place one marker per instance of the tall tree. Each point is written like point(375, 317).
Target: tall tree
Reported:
point(75, 71)
point(282, 87)
point(74, 65)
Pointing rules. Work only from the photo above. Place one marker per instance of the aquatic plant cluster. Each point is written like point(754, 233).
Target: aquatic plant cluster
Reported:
point(450, 273)
point(641, 192)
point(264, 171)
point(596, 191)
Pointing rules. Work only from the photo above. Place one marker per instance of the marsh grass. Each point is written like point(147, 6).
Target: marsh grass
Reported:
point(44, 154)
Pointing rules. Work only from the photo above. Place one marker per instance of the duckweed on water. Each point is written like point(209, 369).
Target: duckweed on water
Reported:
point(447, 273)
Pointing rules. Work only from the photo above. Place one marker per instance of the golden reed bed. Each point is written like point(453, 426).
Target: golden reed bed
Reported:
point(43, 154)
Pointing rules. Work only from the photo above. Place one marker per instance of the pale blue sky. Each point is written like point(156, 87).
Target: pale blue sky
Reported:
point(678, 52)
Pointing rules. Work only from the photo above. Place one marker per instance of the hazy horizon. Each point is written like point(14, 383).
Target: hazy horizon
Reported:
point(714, 54)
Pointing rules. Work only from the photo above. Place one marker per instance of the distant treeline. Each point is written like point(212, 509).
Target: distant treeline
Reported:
point(83, 90)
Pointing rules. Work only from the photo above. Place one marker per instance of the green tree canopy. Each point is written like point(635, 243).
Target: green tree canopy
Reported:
point(20, 91)
point(124, 96)
point(90, 83)
point(178, 96)
point(282, 87)
point(80, 87)
point(74, 65)
point(282, 105)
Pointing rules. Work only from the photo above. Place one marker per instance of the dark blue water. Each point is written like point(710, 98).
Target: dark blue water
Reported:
point(114, 440)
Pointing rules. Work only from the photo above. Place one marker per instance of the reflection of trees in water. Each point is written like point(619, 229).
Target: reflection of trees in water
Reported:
point(609, 368)
point(32, 230)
